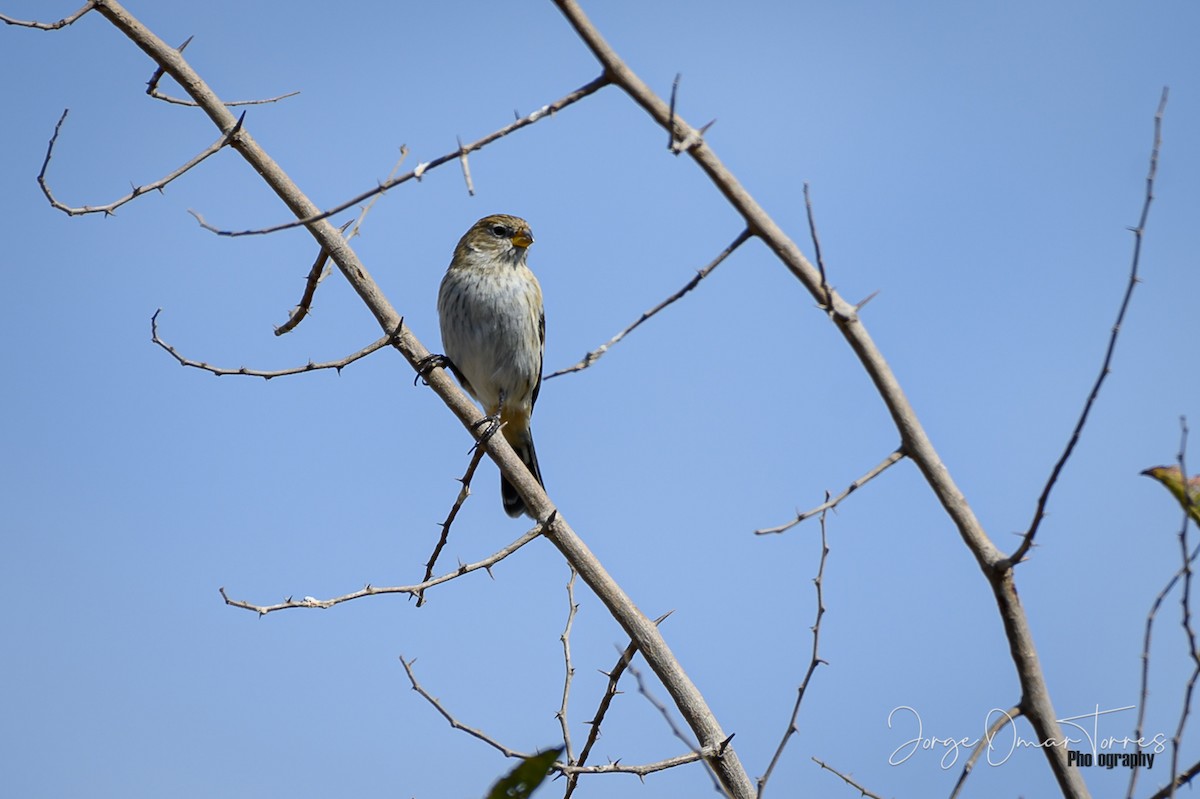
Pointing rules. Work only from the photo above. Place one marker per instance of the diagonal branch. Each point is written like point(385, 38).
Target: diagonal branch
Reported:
point(614, 677)
point(715, 747)
point(463, 492)
point(1138, 232)
point(914, 440)
point(830, 504)
point(419, 171)
point(595, 354)
point(152, 89)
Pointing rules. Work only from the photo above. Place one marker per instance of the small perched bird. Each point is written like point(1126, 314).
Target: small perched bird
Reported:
point(494, 331)
point(1186, 492)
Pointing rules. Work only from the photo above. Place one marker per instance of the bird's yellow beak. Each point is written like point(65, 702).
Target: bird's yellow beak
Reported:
point(523, 237)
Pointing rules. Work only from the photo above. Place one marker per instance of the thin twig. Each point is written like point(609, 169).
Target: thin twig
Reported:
point(816, 240)
point(319, 270)
point(152, 88)
point(373, 590)
point(448, 716)
point(564, 768)
point(1008, 717)
point(316, 273)
point(265, 375)
point(814, 661)
point(1144, 693)
point(1182, 779)
point(1138, 232)
point(464, 491)
point(49, 26)
point(610, 692)
point(1185, 602)
point(845, 778)
point(595, 354)
point(666, 714)
point(466, 168)
point(422, 168)
point(830, 504)
point(569, 671)
point(137, 191)
point(671, 139)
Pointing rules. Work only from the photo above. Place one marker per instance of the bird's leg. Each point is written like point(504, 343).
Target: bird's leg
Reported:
point(492, 421)
point(431, 362)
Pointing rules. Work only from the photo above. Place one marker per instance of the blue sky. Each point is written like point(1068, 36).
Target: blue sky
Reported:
point(977, 166)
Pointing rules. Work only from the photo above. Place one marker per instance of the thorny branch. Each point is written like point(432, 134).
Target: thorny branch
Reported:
point(1183, 571)
point(48, 26)
point(595, 354)
point(420, 170)
point(464, 491)
point(137, 191)
point(1185, 603)
point(915, 442)
point(610, 692)
point(675, 730)
point(152, 89)
point(813, 662)
point(265, 375)
point(564, 768)
point(569, 670)
point(830, 504)
point(846, 779)
point(318, 271)
point(1138, 232)
point(373, 590)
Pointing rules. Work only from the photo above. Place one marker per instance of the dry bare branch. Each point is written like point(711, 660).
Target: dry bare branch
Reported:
point(466, 168)
point(1185, 602)
point(1007, 717)
point(816, 240)
point(1168, 790)
point(316, 273)
point(265, 375)
point(830, 504)
point(152, 89)
point(846, 779)
point(564, 768)
point(419, 171)
point(569, 670)
point(915, 442)
point(610, 692)
point(455, 723)
point(814, 661)
point(464, 491)
point(49, 26)
point(1144, 692)
point(644, 690)
point(136, 192)
point(1138, 232)
point(595, 354)
point(373, 590)
point(319, 270)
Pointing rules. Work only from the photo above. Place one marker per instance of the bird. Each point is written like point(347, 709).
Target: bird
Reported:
point(1186, 492)
point(493, 329)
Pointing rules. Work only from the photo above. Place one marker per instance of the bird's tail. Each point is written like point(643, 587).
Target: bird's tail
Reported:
point(513, 504)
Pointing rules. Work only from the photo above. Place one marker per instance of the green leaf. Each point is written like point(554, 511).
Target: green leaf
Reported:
point(522, 781)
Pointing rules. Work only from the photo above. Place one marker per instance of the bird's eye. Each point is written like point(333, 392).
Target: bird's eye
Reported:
point(500, 230)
